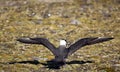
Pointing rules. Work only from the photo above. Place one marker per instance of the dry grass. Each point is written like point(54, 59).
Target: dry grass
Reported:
point(29, 19)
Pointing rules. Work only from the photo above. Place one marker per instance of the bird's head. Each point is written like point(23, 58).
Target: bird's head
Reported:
point(63, 42)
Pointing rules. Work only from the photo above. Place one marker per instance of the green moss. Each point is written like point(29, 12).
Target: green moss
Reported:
point(107, 69)
point(97, 19)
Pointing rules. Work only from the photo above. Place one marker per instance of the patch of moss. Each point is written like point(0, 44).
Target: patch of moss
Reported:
point(98, 18)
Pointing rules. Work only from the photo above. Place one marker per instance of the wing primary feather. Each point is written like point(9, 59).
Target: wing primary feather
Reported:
point(98, 40)
point(41, 41)
point(85, 41)
point(28, 41)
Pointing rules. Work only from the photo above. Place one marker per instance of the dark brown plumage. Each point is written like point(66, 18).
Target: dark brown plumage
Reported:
point(63, 52)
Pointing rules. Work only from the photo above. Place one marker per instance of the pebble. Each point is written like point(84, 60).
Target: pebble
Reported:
point(75, 22)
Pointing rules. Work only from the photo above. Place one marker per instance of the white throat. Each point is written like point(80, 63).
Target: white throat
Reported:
point(63, 42)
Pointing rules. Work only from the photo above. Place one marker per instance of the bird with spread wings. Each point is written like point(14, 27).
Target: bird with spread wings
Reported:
point(62, 52)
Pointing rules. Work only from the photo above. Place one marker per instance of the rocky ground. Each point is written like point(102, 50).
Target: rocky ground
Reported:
point(70, 20)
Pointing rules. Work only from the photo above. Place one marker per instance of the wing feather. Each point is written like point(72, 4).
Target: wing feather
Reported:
point(85, 41)
point(42, 41)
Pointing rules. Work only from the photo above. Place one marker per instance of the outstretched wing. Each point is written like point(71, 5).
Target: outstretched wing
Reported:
point(85, 41)
point(42, 41)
